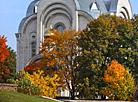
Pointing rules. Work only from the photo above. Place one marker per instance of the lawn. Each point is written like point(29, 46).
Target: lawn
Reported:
point(6, 96)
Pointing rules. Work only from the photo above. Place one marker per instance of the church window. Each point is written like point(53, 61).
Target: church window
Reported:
point(59, 27)
point(35, 9)
point(33, 48)
point(94, 6)
point(33, 36)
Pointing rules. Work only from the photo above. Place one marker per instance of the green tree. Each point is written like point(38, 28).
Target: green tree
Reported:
point(12, 65)
point(103, 40)
point(135, 31)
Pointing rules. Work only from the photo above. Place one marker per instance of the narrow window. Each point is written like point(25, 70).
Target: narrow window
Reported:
point(35, 9)
point(33, 48)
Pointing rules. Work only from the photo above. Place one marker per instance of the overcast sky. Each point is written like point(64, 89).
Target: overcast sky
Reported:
point(12, 12)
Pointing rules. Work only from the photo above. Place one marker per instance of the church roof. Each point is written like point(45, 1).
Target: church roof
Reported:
point(113, 6)
point(86, 6)
point(107, 4)
point(21, 23)
point(104, 6)
point(31, 7)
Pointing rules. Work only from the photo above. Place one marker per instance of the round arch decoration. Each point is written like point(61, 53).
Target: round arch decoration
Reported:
point(56, 14)
point(61, 3)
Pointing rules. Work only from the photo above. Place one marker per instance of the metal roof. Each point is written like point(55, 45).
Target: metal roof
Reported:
point(30, 9)
point(21, 23)
point(103, 5)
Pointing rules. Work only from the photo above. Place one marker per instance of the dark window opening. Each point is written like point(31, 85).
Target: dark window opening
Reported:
point(33, 48)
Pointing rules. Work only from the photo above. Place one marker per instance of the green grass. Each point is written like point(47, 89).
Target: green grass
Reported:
point(6, 96)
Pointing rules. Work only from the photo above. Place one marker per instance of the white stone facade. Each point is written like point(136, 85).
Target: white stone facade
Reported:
point(67, 14)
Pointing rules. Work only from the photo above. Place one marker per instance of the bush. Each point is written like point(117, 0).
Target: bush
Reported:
point(24, 84)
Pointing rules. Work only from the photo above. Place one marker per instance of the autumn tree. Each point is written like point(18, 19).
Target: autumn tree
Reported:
point(30, 68)
point(103, 40)
point(47, 84)
point(60, 51)
point(4, 53)
point(120, 82)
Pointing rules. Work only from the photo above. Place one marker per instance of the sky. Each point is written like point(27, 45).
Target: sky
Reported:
point(12, 12)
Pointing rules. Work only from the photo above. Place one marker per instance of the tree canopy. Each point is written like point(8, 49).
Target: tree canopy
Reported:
point(120, 82)
point(81, 58)
point(7, 61)
point(103, 40)
point(59, 54)
point(4, 53)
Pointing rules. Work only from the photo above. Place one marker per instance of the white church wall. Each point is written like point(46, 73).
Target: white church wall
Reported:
point(30, 25)
point(31, 29)
point(21, 56)
point(82, 22)
point(83, 19)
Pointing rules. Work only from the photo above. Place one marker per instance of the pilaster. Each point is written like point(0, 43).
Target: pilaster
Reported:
point(17, 35)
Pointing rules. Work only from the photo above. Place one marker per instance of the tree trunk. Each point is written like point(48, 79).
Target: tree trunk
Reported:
point(72, 91)
point(103, 97)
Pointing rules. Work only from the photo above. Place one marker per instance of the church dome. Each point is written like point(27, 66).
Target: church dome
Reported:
point(48, 33)
point(32, 8)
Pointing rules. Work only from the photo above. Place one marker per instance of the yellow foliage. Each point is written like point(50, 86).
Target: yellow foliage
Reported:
point(48, 85)
point(60, 50)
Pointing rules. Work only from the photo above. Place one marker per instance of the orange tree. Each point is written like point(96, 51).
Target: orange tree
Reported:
point(120, 82)
point(4, 53)
point(103, 40)
point(59, 52)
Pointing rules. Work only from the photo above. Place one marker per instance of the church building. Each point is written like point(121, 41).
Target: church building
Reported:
point(66, 14)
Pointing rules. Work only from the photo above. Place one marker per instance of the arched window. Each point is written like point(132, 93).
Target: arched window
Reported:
point(59, 26)
point(33, 48)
